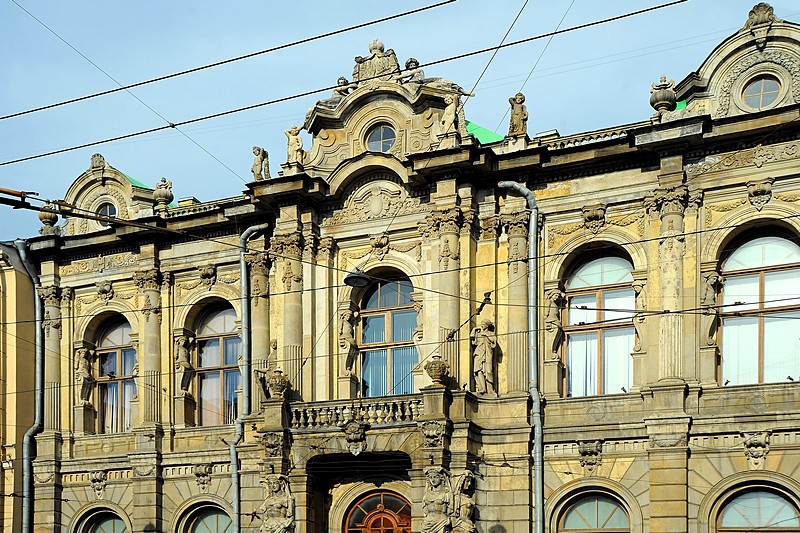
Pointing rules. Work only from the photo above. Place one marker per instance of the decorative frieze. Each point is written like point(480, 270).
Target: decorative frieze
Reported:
point(747, 157)
point(100, 264)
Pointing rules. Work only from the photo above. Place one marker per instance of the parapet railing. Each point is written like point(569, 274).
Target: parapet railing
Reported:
point(384, 411)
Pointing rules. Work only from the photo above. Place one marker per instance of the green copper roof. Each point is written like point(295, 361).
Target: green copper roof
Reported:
point(136, 182)
point(483, 135)
point(680, 105)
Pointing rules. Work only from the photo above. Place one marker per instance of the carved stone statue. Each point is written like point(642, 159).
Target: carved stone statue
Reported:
point(437, 502)
point(463, 520)
point(184, 371)
point(277, 510)
point(272, 359)
point(83, 374)
point(348, 348)
point(708, 302)
point(447, 124)
point(484, 339)
point(294, 149)
point(260, 167)
point(379, 64)
point(519, 116)
point(554, 329)
point(412, 74)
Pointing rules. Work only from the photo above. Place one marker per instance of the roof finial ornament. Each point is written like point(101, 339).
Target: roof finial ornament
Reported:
point(662, 97)
point(759, 22)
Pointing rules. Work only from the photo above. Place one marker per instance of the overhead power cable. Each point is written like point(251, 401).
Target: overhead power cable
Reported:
point(226, 61)
point(330, 87)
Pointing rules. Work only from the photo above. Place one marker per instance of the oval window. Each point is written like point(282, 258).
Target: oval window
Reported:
point(761, 92)
point(381, 139)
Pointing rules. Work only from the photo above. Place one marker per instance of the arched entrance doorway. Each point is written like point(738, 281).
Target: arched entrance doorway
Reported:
point(379, 512)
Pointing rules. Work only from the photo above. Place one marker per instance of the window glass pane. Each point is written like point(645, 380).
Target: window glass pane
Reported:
point(617, 360)
point(403, 361)
point(390, 294)
point(406, 288)
point(759, 509)
point(108, 523)
point(218, 322)
point(582, 515)
point(230, 407)
point(372, 298)
point(742, 290)
point(108, 364)
point(763, 252)
point(128, 362)
point(403, 324)
point(582, 364)
point(116, 335)
point(602, 271)
point(740, 350)
point(620, 304)
point(782, 288)
point(208, 353)
point(109, 407)
point(781, 347)
point(373, 371)
point(233, 347)
point(582, 316)
point(373, 329)
point(209, 402)
point(211, 521)
point(128, 392)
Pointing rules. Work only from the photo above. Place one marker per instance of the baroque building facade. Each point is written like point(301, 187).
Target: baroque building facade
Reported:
point(353, 345)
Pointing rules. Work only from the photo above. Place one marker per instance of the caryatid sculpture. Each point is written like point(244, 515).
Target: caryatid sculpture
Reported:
point(347, 342)
point(277, 510)
point(184, 371)
point(437, 502)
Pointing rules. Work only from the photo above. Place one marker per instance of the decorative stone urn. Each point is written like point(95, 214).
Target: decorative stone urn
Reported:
point(48, 219)
point(437, 369)
point(163, 195)
point(277, 383)
point(662, 96)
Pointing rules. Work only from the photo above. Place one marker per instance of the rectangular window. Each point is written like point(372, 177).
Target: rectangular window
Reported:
point(617, 360)
point(403, 324)
point(209, 400)
point(781, 347)
point(742, 290)
point(579, 316)
point(403, 361)
point(231, 405)
point(582, 364)
point(208, 353)
point(781, 289)
point(619, 305)
point(373, 329)
point(109, 407)
point(374, 367)
point(740, 350)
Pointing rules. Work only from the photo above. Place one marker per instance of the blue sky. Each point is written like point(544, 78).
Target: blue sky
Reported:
point(589, 79)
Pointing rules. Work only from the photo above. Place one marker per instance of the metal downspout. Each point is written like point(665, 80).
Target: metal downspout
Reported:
point(38, 402)
point(236, 503)
point(533, 351)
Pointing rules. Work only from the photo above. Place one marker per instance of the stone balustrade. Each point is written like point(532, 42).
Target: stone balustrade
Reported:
point(590, 137)
point(388, 411)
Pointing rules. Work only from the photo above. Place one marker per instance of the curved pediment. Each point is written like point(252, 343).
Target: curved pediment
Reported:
point(755, 69)
point(104, 189)
point(384, 109)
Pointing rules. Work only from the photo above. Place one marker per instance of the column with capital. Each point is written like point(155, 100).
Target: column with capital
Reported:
point(51, 324)
point(149, 356)
point(258, 264)
point(286, 251)
point(516, 226)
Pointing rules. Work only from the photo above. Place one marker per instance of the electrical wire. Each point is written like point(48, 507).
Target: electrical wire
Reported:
point(315, 91)
point(226, 61)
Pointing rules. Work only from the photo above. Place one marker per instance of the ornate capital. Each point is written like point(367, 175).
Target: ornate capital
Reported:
point(668, 201)
point(147, 279)
point(50, 295)
point(67, 295)
point(258, 262)
point(447, 220)
point(489, 226)
point(286, 246)
point(516, 224)
point(326, 247)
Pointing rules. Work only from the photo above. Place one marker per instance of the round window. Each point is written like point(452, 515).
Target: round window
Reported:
point(761, 92)
point(380, 139)
point(107, 210)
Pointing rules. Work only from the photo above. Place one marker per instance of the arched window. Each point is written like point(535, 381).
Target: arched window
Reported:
point(388, 354)
point(209, 520)
point(758, 510)
point(761, 312)
point(595, 512)
point(105, 522)
point(599, 328)
point(218, 350)
point(115, 385)
point(379, 512)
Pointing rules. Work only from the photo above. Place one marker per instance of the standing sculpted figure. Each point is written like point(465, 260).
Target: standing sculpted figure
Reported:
point(347, 342)
point(553, 326)
point(260, 163)
point(83, 374)
point(519, 116)
point(437, 503)
point(464, 504)
point(294, 148)
point(484, 339)
point(184, 371)
point(277, 511)
point(447, 124)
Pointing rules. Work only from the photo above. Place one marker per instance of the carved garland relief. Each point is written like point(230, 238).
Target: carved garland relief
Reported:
point(374, 200)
